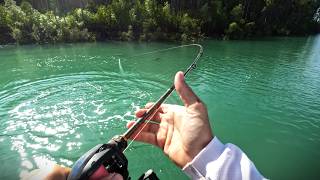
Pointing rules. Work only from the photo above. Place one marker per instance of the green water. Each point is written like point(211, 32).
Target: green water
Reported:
point(58, 101)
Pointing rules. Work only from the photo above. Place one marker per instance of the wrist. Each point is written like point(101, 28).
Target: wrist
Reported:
point(193, 151)
point(201, 145)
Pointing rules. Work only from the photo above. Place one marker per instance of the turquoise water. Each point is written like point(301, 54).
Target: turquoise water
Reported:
point(58, 101)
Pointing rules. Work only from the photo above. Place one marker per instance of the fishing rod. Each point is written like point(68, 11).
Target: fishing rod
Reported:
point(155, 107)
point(110, 155)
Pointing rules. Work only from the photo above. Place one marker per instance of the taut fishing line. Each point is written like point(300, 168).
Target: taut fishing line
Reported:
point(153, 110)
point(192, 66)
point(149, 114)
point(110, 156)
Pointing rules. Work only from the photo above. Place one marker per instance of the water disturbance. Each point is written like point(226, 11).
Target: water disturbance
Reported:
point(58, 101)
point(120, 67)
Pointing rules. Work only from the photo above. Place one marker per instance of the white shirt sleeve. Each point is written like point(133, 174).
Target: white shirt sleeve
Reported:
point(222, 162)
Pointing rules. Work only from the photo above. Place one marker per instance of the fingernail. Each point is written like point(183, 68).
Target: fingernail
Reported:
point(181, 76)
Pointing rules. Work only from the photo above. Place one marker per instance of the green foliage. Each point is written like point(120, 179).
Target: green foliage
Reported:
point(234, 31)
point(5, 31)
point(316, 16)
point(27, 25)
point(148, 20)
point(237, 12)
point(189, 28)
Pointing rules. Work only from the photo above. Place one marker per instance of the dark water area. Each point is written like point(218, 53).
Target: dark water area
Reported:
point(58, 101)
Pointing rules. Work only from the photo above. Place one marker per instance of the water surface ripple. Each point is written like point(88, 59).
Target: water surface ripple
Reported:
point(264, 96)
point(58, 101)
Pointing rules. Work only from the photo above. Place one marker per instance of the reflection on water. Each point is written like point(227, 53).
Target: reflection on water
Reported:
point(57, 113)
point(56, 102)
point(264, 96)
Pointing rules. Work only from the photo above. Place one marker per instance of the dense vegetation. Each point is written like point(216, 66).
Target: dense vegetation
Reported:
point(178, 20)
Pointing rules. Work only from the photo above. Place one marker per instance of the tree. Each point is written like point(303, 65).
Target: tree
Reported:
point(5, 35)
point(42, 21)
point(316, 16)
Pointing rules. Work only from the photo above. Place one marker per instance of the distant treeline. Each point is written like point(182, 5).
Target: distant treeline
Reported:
point(43, 21)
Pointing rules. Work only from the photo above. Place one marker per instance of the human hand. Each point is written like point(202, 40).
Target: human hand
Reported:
point(61, 173)
point(50, 172)
point(182, 131)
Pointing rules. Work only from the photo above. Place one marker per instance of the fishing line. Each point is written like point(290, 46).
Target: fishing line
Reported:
point(154, 52)
point(119, 56)
point(153, 110)
point(111, 155)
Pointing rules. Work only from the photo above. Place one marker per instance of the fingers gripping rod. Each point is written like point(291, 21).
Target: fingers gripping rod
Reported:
point(150, 113)
point(110, 155)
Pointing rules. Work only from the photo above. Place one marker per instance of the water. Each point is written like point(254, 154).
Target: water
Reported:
point(58, 101)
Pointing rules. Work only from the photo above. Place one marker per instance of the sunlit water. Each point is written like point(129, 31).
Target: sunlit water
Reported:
point(56, 102)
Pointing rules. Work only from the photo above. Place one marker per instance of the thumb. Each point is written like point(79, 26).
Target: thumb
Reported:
point(185, 92)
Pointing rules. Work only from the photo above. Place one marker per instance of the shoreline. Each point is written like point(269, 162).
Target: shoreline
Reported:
point(257, 38)
point(147, 21)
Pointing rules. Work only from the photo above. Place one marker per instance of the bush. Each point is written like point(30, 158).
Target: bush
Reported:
point(316, 16)
point(147, 20)
point(234, 31)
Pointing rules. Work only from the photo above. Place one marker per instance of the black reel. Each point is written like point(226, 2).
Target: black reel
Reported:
point(109, 155)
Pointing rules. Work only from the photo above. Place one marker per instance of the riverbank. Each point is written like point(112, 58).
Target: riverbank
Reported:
point(154, 21)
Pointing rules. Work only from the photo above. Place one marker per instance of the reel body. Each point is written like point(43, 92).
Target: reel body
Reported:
point(108, 155)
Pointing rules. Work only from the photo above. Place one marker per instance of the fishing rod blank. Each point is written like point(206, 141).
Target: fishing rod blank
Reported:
point(150, 113)
point(110, 156)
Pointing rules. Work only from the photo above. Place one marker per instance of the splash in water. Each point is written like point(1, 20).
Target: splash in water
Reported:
point(120, 67)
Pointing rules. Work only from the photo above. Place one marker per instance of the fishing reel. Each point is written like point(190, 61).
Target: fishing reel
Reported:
point(109, 155)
